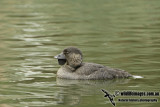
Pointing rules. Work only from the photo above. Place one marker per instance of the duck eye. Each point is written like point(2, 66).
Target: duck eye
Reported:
point(66, 52)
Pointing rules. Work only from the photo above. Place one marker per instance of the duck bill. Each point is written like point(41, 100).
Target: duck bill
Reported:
point(61, 58)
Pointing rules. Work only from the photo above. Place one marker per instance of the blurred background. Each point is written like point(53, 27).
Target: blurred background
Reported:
point(121, 34)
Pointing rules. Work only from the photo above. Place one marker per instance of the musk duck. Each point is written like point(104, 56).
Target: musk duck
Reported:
point(73, 67)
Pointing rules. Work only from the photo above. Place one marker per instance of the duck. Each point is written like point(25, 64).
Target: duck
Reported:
point(73, 67)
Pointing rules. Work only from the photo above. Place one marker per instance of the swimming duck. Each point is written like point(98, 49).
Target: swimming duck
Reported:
point(73, 67)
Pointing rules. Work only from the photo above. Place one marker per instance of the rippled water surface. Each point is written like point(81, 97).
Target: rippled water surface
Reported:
point(121, 34)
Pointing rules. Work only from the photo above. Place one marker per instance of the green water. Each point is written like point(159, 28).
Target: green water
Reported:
point(121, 34)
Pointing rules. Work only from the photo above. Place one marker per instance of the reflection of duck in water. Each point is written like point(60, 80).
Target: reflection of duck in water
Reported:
point(73, 67)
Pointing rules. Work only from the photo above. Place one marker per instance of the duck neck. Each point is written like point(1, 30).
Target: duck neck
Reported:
point(70, 68)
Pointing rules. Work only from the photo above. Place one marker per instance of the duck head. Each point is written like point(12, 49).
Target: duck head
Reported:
point(71, 56)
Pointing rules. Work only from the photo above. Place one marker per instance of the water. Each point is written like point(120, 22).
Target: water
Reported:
point(120, 34)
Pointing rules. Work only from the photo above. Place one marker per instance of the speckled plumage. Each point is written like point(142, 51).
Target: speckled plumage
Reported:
point(74, 68)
